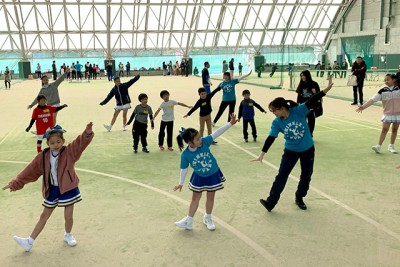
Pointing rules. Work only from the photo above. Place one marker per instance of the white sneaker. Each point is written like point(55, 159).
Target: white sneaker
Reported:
point(23, 242)
point(377, 148)
point(207, 220)
point(108, 127)
point(392, 149)
point(185, 223)
point(33, 132)
point(70, 240)
point(213, 124)
point(123, 127)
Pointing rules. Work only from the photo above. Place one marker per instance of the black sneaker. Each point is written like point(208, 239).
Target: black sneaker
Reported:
point(354, 103)
point(246, 140)
point(255, 139)
point(300, 203)
point(214, 143)
point(145, 150)
point(267, 205)
point(135, 151)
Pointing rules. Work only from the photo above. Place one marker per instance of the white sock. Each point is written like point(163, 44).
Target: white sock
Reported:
point(31, 240)
point(207, 215)
point(189, 218)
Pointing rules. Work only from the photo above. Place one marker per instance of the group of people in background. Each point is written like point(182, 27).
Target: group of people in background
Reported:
point(339, 70)
point(176, 69)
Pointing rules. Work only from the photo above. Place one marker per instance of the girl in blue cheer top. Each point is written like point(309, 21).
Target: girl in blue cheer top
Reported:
point(291, 121)
point(206, 175)
point(228, 95)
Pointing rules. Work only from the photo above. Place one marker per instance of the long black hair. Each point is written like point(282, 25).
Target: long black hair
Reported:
point(186, 135)
point(309, 83)
point(280, 102)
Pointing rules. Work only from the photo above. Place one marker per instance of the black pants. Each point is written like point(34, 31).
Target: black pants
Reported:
point(54, 75)
point(9, 84)
point(311, 121)
point(289, 160)
point(222, 108)
point(161, 134)
point(73, 74)
point(253, 128)
point(359, 88)
point(139, 131)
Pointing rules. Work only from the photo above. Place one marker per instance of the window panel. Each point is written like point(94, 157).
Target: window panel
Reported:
point(127, 18)
point(87, 41)
point(175, 40)
point(290, 38)
point(115, 18)
point(277, 38)
point(300, 35)
point(139, 40)
point(153, 23)
point(209, 39)
point(60, 41)
point(74, 41)
point(223, 39)
point(199, 41)
point(151, 40)
point(267, 39)
point(233, 38)
point(101, 40)
point(99, 20)
point(58, 18)
point(216, 11)
point(72, 18)
point(126, 41)
point(45, 41)
point(32, 41)
point(28, 16)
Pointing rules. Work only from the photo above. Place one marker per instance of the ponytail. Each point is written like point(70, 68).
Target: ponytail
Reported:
point(186, 135)
point(280, 102)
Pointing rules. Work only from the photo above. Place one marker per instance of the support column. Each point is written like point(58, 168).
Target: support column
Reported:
point(24, 69)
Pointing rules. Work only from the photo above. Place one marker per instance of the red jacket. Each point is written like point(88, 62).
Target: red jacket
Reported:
point(66, 175)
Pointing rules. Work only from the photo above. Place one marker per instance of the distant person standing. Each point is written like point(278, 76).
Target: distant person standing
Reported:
point(109, 69)
point(165, 68)
point(7, 79)
point(121, 69)
point(78, 70)
point(38, 71)
point(54, 67)
point(225, 66)
point(359, 69)
point(318, 67)
point(231, 67)
point(344, 68)
point(336, 68)
point(205, 76)
point(128, 69)
point(274, 68)
point(73, 71)
point(170, 68)
point(87, 70)
point(240, 67)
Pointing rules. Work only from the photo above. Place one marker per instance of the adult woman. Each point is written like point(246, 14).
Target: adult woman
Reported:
point(305, 90)
point(290, 120)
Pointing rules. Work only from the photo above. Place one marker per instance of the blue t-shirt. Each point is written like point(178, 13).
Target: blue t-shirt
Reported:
point(202, 161)
point(228, 89)
point(295, 129)
point(78, 67)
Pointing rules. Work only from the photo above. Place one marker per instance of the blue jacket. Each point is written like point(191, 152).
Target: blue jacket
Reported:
point(246, 109)
point(121, 93)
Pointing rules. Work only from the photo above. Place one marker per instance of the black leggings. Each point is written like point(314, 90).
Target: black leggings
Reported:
point(170, 126)
point(222, 108)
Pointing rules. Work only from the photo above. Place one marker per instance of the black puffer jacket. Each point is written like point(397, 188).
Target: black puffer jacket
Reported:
point(121, 93)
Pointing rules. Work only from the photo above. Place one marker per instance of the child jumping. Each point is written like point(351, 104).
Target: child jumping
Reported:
point(204, 103)
point(291, 122)
point(390, 97)
point(206, 176)
point(121, 94)
point(43, 114)
point(167, 119)
point(246, 110)
point(139, 129)
point(228, 95)
point(60, 181)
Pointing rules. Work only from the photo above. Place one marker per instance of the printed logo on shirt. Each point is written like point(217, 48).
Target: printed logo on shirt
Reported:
point(145, 112)
point(204, 103)
point(44, 115)
point(294, 130)
point(250, 104)
point(202, 162)
point(227, 88)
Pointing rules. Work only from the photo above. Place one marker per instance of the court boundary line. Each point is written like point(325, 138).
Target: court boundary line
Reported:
point(247, 240)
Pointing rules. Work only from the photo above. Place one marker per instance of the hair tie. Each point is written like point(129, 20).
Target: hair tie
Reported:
point(182, 132)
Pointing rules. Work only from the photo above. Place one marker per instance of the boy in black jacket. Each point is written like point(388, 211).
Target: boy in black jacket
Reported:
point(246, 110)
point(121, 94)
point(204, 103)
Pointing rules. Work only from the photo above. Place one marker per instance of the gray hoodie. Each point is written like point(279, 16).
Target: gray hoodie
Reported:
point(50, 92)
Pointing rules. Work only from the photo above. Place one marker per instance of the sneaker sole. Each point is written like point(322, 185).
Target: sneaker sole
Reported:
point(184, 227)
point(376, 150)
point(73, 245)
point(212, 229)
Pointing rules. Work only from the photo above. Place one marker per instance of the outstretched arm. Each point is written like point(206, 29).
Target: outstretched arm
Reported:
point(59, 80)
point(193, 109)
point(259, 107)
point(131, 118)
point(373, 99)
point(61, 107)
point(181, 179)
point(30, 125)
point(183, 105)
point(245, 76)
point(155, 114)
point(108, 98)
point(312, 102)
point(224, 128)
point(133, 80)
point(268, 143)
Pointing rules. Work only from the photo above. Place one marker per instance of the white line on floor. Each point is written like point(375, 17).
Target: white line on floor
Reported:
point(268, 256)
point(5, 137)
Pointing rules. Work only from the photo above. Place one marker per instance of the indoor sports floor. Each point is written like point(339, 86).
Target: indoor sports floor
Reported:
point(128, 210)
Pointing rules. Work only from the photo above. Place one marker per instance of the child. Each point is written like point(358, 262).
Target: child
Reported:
point(50, 91)
point(7, 79)
point(167, 119)
point(228, 95)
point(246, 109)
point(60, 181)
point(240, 66)
point(121, 94)
point(206, 176)
point(291, 121)
point(139, 129)
point(43, 115)
point(204, 103)
point(390, 97)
